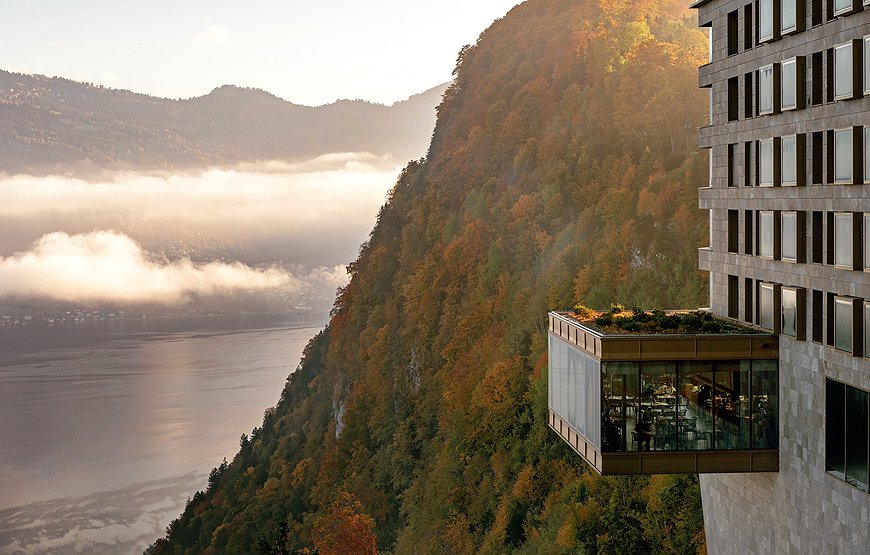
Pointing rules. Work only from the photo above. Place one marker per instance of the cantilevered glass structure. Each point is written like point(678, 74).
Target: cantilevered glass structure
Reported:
point(653, 403)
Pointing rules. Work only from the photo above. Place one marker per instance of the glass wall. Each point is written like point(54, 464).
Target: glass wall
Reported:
point(667, 406)
point(847, 450)
point(574, 388)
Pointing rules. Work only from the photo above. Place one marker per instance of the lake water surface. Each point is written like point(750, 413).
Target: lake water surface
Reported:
point(105, 432)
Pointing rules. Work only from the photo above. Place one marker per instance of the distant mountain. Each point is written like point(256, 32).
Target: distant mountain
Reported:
point(55, 124)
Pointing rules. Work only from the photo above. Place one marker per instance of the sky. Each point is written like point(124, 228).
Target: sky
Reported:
point(308, 52)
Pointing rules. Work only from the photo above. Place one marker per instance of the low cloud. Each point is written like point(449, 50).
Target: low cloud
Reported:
point(212, 34)
point(109, 266)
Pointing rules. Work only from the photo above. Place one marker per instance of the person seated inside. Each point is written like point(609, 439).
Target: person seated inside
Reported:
point(643, 428)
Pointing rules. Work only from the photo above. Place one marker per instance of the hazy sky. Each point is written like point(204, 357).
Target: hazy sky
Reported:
point(305, 51)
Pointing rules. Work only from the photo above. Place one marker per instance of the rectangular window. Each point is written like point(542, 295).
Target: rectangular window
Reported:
point(867, 155)
point(818, 160)
point(843, 240)
point(747, 27)
point(789, 234)
point(789, 311)
point(843, 315)
point(788, 15)
point(733, 96)
point(789, 160)
point(747, 98)
point(747, 164)
point(867, 329)
point(789, 84)
point(866, 242)
point(765, 90)
point(835, 428)
point(765, 20)
point(817, 79)
point(765, 234)
point(817, 12)
point(866, 71)
point(856, 437)
point(843, 72)
point(765, 305)
point(843, 164)
point(817, 316)
point(842, 6)
point(732, 166)
point(733, 227)
point(818, 225)
point(747, 299)
point(733, 37)
point(733, 298)
point(747, 232)
point(765, 162)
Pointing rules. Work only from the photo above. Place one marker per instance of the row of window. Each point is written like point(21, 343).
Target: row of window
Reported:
point(782, 235)
point(847, 422)
point(781, 161)
point(776, 18)
point(783, 310)
point(782, 86)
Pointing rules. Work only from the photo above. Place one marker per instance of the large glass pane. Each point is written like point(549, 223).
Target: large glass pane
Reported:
point(695, 405)
point(765, 160)
point(657, 427)
point(843, 71)
point(765, 19)
point(842, 6)
point(788, 233)
point(789, 15)
point(789, 84)
point(765, 234)
point(843, 156)
point(765, 306)
point(789, 312)
point(835, 429)
point(765, 90)
point(789, 160)
point(731, 405)
point(619, 382)
point(867, 329)
point(843, 245)
point(843, 324)
point(856, 437)
point(765, 404)
point(593, 400)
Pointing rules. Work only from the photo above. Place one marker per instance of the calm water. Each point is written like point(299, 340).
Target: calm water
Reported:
point(105, 432)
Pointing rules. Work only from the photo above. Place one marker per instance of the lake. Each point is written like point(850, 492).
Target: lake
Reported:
point(105, 431)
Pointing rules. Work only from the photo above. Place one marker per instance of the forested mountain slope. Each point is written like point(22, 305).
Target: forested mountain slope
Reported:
point(563, 168)
point(54, 124)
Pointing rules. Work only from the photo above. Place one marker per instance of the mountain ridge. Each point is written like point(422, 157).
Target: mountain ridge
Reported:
point(54, 124)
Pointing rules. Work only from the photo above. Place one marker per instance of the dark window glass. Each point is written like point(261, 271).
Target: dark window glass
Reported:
point(765, 404)
point(856, 437)
point(731, 404)
point(656, 427)
point(619, 416)
point(695, 402)
point(835, 432)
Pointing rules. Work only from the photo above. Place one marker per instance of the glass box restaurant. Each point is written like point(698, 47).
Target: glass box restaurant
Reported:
point(659, 403)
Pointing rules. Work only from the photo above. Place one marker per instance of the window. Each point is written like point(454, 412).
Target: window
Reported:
point(733, 96)
point(817, 315)
point(846, 426)
point(842, 6)
point(733, 226)
point(765, 20)
point(843, 156)
point(789, 233)
point(733, 38)
point(747, 232)
point(765, 162)
point(747, 27)
point(747, 96)
point(765, 90)
point(818, 160)
point(867, 64)
point(867, 155)
point(732, 166)
point(818, 225)
point(843, 72)
point(817, 12)
point(866, 241)
point(765, 234)
point(792, 312)
point(843, 240)
point(817, 79)
point(789, 96)
point(765, 305)
point(733, 298)
point(789, 15)
point(843, 316)
point(789, 158)
point(747, 299)
point(867, 329)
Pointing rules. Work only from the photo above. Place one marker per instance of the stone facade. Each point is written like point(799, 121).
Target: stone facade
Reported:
point(802, 508)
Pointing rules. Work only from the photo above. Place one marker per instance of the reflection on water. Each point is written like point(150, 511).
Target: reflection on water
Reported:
point(82, 414)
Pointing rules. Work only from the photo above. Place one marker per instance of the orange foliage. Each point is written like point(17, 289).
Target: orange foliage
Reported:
point(345, 529)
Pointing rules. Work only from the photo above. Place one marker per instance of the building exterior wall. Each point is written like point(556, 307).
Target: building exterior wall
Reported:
point(802, 508)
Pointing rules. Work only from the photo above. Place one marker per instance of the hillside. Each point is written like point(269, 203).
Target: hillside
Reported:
point(563, 168)
point(54, 124)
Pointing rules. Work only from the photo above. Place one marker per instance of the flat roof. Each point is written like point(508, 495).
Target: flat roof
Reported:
point(699, 3)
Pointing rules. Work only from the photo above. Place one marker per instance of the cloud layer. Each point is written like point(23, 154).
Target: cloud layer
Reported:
point(109, 266)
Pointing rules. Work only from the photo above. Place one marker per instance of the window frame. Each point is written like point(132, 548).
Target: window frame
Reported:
point(851, 179)
point(762, 143)
point(798, 308)
point(782, 180)
point(851, 243)
point(782, 84)
point(769, 289)
point(866, 62)
point(866, 329)
point(866, 161)
point(865, 230)
point(851, 93)
point(842, 11)
point(762, 216)
point(760, 15)
point(761, 97)
point(782, 29)
point(849, 304)
point(791, 214)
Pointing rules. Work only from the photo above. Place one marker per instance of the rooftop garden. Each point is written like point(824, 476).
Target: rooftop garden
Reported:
point(621, 321)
